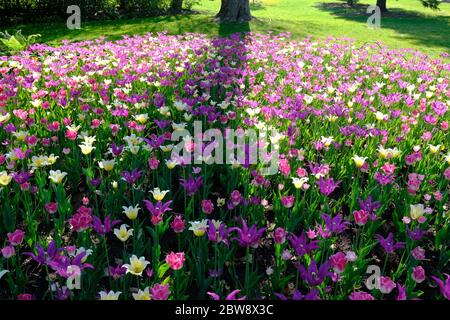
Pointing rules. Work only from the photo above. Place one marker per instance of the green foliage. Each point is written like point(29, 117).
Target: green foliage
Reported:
point(143, 7)
point(188, 4)
point(11, 44)
point(33, 10)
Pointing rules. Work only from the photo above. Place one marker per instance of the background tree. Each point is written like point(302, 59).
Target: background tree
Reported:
point(432, 4)
point(234, 11)
point(382, 5)
point(176, 6)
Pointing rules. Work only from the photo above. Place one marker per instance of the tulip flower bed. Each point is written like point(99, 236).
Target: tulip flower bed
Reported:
point(93, 204)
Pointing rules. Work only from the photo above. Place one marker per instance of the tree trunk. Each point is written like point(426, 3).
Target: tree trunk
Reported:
point(177, 6)
point(223, 9)
point(234, 11)
point(382, 5)
point(123, 5)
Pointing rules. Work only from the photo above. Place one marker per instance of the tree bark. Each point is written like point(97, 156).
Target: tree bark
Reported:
point(177, 6)
point(234, 11)
point(223, 9)
point(382, 5)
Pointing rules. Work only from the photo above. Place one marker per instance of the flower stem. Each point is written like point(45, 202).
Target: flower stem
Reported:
point(107, 259)
point(247, 271)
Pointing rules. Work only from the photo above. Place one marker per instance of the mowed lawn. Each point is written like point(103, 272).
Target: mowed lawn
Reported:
point(408, 25)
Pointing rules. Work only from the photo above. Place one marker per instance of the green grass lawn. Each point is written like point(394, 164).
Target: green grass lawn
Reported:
point(407, 25)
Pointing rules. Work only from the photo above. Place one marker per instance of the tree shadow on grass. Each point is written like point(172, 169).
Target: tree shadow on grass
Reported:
point(256, 6)
point(115, 29)
point(227, 29)
point(54, 33)
point(420, 28)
